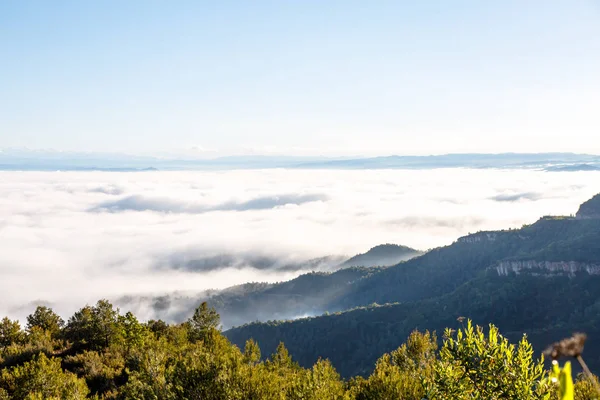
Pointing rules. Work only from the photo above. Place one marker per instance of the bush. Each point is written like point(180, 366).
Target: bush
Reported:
point(477, 365)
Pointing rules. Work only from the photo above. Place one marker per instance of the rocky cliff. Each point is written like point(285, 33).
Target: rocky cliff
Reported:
point(478, 237)
point(490, 236)
point(568, 268)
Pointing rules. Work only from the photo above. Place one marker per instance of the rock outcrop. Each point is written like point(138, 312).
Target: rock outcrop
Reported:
point(568, 268)
point(479, 237)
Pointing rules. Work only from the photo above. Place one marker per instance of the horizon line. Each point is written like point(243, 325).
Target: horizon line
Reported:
point(181, 156)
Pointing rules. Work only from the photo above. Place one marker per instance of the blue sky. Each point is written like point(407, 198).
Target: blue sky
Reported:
point(300, 77)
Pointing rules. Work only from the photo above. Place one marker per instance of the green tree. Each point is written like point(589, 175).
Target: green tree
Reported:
point(281, 358)
point(204, 320)
point(251, 352)
point(102, 371)
point(105, 322)
point(417, 354)
point(399, 375)
point(320, 382)
point(37, 341)
point(42, 378)
point(148, 374)
point(94, 327)
point(79, 328)
point(158, 327)
point(474, 365)
point(45, 318)
point(208, 372)
point(132, 332)
point(10, 332)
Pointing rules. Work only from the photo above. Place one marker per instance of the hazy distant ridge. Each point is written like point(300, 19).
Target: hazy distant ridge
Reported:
point(49, 161)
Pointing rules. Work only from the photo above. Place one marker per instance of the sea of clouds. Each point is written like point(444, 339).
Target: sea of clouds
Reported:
point(70, 238)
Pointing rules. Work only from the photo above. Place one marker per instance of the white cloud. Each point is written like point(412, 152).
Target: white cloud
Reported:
point(57, 250)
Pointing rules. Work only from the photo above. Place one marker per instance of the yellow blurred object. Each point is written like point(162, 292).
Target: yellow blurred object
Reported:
point(565, 380)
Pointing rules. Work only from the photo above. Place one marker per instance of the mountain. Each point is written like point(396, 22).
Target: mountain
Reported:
point(590, 209)
point(382, 255)
point(542, 279)
point(52, 160)
point(573, 168)
point(305, 295)
point(501, 160)
point(309, 294)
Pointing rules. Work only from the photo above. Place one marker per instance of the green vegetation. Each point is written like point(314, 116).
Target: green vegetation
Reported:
point(547, 309)
point(542, 280)
point(102, 354)
point(307, 294)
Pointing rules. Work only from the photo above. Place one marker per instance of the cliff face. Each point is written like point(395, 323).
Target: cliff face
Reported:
point(568, 268)
point(590, 209)
point(479, 237)
point(491, 236)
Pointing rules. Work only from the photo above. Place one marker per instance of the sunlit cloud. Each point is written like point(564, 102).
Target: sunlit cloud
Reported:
point(70, 238)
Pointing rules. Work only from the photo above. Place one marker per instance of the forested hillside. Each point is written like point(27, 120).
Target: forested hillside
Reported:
point(442, 270)
point(543, 279)
point(307, 295)
point(304, 295)
point(259, 301)
point(546, 309)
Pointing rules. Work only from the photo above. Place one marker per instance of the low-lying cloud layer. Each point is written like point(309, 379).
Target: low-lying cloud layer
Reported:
point(517, 196)
point(165, 204)
point(73, 237)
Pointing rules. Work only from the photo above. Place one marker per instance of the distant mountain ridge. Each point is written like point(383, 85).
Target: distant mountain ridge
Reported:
point(468, 160)
point(382, 255)
point(308, 294)
point(573, 168)
point(257, 301)
point(28, 160)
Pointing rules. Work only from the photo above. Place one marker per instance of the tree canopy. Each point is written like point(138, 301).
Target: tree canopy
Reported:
point(103, 354)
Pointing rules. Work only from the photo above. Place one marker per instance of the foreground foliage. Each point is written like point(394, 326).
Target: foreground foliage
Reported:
point(100, 353)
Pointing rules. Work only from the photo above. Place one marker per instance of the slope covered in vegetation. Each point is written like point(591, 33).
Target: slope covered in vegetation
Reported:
point(103, 354)
point(543, 279)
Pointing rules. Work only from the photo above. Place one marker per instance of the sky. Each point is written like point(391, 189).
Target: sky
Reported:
point(71, 238)
point(300, 77)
